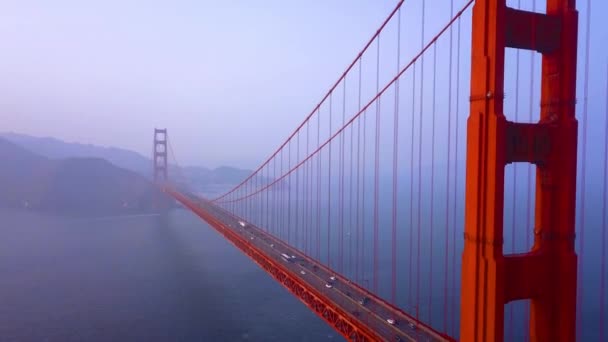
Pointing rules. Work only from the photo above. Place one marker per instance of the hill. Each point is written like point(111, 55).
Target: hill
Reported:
point(202, 179)
point(74, 186)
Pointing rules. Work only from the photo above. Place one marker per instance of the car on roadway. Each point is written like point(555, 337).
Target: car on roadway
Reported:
point(391, 321)
point(329, 286)
point(332, 278)
point(302, 272)
point(363, 301)
point(272, 245)
point(243, 224)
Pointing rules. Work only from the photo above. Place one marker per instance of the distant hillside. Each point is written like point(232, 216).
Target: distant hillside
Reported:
point(74, 186)
point(56, 149)
point(203, 179)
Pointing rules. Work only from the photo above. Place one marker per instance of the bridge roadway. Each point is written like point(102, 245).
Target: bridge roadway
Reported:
point(374, 314)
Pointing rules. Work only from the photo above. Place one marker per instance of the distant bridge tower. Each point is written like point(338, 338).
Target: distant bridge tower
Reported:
point(160, 155)
point(547, 273)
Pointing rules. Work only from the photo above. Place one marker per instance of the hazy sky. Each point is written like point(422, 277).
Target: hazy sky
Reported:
point(229, 79)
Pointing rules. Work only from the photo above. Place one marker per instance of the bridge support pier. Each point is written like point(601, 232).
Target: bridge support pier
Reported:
point(547, 273)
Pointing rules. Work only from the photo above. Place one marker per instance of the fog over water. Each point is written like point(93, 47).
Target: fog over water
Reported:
point(142, 278)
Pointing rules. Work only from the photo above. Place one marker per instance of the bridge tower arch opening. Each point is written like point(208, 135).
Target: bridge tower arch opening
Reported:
point(547, 274)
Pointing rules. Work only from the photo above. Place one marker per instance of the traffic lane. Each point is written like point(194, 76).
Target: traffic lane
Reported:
point(346, 289)
point(349, 305)
point(355, 294)
point(371, 319)
point(402, 323)
point(320, 278)
point(344, 301)
point(318, 281)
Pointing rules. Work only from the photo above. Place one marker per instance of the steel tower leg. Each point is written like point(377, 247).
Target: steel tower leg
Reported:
point(547, 273)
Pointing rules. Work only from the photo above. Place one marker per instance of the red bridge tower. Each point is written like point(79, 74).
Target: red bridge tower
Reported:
point(547, 273)
point(160, 155)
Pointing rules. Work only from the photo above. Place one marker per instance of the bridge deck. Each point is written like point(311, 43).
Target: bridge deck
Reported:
point(339, 304)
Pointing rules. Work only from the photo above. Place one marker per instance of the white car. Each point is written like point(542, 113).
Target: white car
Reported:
point(272, 245)
point(243, 224)
point(328, 286)
point(412, 326)
point(302, 272)
point(332, 278)
point(391, 321)
point(252, 238)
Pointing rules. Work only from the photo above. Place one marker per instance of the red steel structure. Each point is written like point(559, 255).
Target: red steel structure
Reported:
point(360, 327)
point(547, 274)
point(315, 300)
point(258, 214)
point(160, 155)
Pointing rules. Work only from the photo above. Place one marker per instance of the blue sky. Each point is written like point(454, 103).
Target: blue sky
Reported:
point(229, 79)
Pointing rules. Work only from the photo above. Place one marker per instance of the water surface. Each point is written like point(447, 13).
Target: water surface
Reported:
point(143, 278)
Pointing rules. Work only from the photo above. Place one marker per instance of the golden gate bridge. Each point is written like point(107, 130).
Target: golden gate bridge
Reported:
point(405, 208)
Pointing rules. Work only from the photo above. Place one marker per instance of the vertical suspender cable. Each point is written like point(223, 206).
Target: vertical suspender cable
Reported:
point(395, 171)
point(274, 197)
point(256, 202)
point(603, 257)
point(311, 209)
point(319, 178)
point(420, 168)
point(329, 188)
point(363, 204)
point(260, 211)
point(455, 203)
point(288, 227)
point(432, 194)
point(447, 182)
point(342, 137)
point(306, 199)
point(258, 199)
point(282, 204)
point(267, 193)
point(350, 207)
point(297, 202)
point(359, 210)
point(376, 173)
point(411, 215)
point(265, 200)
